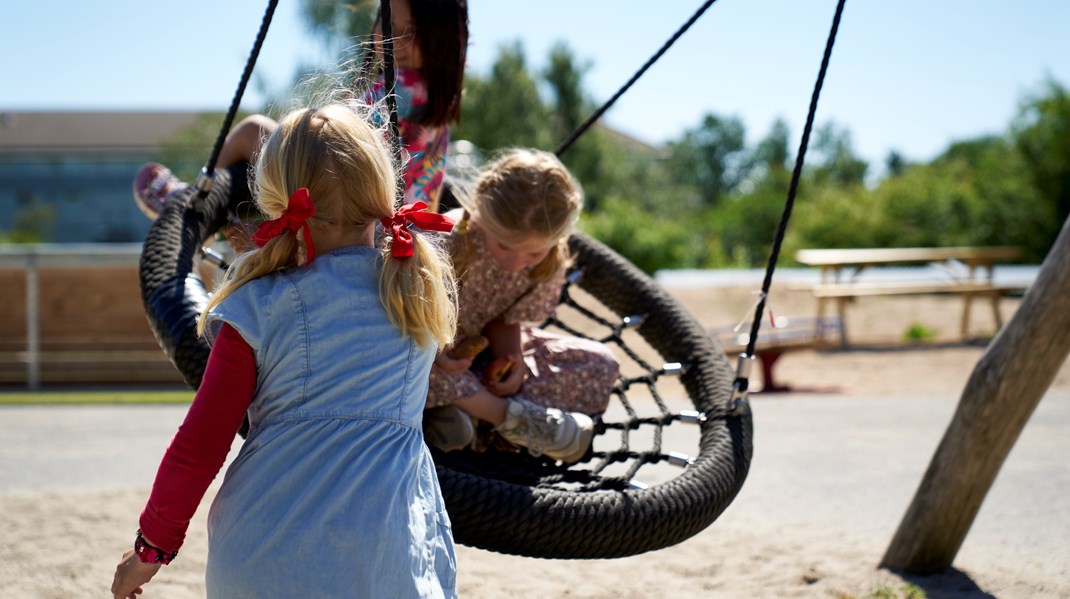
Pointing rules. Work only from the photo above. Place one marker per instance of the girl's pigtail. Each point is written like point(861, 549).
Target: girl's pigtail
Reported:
point(419, 291)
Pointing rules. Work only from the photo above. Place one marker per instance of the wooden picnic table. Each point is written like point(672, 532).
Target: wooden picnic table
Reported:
point(834, 261)
point(789, 335)
point(840, 269)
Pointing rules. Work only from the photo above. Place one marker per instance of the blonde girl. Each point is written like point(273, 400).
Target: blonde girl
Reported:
point(324, 340)
point(510, 252)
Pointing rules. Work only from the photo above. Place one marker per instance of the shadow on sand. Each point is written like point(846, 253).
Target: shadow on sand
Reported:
point(948, 584)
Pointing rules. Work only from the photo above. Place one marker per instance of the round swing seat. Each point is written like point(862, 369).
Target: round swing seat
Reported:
point(511, 502)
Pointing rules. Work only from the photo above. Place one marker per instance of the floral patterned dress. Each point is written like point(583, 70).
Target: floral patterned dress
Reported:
point(568, 373)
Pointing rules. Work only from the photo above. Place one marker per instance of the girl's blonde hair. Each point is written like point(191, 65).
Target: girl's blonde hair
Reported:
point(346, 166)
point(524, 193)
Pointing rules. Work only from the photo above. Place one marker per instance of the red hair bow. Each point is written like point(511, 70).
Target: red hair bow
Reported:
point(415, 214)
point(296, 215)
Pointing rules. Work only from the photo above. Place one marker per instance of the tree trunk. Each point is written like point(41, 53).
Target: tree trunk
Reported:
point(1002, 392)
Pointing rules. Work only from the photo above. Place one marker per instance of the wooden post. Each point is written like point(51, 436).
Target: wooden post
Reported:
point(33, 322)
point(1005, 387)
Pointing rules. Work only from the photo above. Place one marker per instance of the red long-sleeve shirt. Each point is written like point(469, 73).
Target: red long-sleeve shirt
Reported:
point(199, 448)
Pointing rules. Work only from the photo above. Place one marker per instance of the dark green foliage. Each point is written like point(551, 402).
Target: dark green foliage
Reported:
point(647, 240)
point(834, 158)
point(1042, 134)
point(32, 223)
point(188, 150)
point(712, 158)
point(504, 109)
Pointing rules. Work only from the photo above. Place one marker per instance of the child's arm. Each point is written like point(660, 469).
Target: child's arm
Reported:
point(504, 338)
point(244, 140)
point(195, 456)
point(200, 447)
point(450, 365)
point(505, 344)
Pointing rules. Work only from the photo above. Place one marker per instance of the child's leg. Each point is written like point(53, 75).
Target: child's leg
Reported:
point(560, 435)
point(154, 184)
point(450, 427)
point(244, 140)
point(485, 406)
point(573, 374)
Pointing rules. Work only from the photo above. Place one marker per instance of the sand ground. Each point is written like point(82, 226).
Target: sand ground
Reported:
point(831, 477)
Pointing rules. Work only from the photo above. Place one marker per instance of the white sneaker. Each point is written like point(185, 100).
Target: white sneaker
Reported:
point(563, 436)
point(448, 428)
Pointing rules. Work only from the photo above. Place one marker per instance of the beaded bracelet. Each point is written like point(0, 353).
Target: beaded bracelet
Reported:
point(149, 554)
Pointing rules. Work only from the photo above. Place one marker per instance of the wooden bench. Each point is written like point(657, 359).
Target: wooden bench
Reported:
point(789, 335)
point(974, 282)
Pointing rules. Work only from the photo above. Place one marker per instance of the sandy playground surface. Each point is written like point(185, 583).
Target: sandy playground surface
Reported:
point(833, 473)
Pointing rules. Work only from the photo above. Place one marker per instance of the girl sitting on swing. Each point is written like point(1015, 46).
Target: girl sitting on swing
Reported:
point(510, 252)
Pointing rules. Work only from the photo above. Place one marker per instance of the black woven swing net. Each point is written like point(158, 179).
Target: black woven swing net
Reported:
point(642, 486)
point(671, 452)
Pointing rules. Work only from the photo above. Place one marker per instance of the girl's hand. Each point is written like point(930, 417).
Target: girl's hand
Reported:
point(130, 574)
point(513, 380)
point(452, 366)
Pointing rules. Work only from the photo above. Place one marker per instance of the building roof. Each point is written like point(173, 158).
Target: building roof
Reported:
point(67, 132)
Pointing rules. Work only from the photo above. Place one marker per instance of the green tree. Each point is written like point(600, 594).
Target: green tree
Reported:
point(977, 193)
point(504, 109)
point(590, 158)
point(1005, 208)
point(1042, 134)
point(570, 104)
point(835, 158)
point(834, 217)
point(773, 151)
point(643, 237)
point(712, 157)
point(895, 164)
point(187, 151)
point(33, 222)
point(746, 223)
point(340, 26)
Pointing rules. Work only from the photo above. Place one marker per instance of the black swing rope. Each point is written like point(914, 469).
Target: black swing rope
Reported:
point(741, 383)
point(571, 139)
point(204, 181)
point(746, 360)
point(390, 81)
point(513, 503)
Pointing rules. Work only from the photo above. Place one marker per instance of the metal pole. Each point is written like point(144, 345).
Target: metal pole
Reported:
point(33, 333)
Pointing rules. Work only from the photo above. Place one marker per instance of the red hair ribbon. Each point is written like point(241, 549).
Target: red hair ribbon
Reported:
point(416, 214)
point(296, 215)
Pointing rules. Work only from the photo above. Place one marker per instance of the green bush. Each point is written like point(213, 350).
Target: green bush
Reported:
point(649, 242)
point(919, 333)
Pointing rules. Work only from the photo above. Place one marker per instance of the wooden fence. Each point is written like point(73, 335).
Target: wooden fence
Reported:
point(72, 315)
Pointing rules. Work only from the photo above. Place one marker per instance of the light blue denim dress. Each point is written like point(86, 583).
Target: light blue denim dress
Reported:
point(334, 493)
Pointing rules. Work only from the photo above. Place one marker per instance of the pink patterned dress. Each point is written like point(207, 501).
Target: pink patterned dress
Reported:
point(424, 147)
point(568, 373)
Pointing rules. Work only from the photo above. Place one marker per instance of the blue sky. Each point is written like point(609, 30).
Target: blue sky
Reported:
point(906, 75)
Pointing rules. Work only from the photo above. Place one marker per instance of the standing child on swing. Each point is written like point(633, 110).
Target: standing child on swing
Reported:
point(430, 43)
point(325, 340)
point(510, 252)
